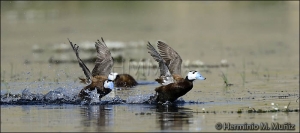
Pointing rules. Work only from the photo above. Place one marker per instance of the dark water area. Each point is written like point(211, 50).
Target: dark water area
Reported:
point(247, 50)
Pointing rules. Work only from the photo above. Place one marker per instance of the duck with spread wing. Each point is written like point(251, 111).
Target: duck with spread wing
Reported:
point(101, 77)
point(173, 85)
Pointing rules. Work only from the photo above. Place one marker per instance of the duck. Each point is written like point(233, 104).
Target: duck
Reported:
point(101, 78)
point(120, 80)
point(173, 85)
point(123, 80)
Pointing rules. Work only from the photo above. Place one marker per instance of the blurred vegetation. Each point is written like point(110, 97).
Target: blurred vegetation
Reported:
point(65, 5)
point(120, 5)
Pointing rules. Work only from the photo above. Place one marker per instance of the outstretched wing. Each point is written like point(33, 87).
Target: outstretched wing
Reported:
point(172, 58)
point(164, 70)
point(104, 61)
point(81, 64)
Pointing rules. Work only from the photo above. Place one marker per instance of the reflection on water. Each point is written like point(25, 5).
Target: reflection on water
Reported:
point(167, 118)
point(124, 118)
point(172, 117)
point(101, 117)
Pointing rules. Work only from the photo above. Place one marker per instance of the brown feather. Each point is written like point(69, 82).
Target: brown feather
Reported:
point(125, 80)
point(159, 80)
point(97, 83)
point(177, 77)
point(82, 80)
point(173, 91)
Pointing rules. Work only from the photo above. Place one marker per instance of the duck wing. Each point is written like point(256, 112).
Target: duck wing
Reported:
point(81, 64)
point(104, 61)
point(171, 57)
point(164, 70)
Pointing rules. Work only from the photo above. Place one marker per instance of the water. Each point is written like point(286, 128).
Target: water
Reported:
point(257, 42)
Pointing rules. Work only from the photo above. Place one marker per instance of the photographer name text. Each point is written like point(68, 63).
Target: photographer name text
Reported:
point(253, 126)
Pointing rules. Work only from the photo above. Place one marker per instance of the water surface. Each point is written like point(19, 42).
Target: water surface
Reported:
point(259, 41)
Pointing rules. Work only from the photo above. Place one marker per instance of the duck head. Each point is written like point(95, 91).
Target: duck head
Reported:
point(112, 76)
point(108, 84)
point(193, 75)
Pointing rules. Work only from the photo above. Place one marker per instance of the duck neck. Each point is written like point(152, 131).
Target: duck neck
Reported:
point(187, 79)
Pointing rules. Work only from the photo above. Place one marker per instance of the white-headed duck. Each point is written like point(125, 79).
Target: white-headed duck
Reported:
point(173, 85)
point(98, 79)
point(101, 77)
point(123, 80)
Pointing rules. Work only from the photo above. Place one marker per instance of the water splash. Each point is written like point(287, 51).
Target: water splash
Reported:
point(27, 95)
point(139, 98)
point(57, 96)
point(68, 94)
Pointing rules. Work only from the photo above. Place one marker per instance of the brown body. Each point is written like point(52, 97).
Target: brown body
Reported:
point(176, 77)
point(97, 83)
point(124, 80)
point(170, 69)
point(173, 91)
point(98, 76)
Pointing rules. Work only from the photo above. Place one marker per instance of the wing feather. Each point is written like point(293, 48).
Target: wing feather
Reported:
point(171, 57)
point(85, 69)
point(164, 70)
point(104, 61)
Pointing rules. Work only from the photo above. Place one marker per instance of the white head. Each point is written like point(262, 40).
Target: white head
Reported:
point(108, 84)
point(193, 75)
point(112, 76)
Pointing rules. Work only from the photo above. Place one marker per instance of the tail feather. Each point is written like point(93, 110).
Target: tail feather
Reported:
point(82, 80)
point(159, 80)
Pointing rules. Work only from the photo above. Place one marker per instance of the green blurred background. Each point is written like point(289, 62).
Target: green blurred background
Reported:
point(259, 32)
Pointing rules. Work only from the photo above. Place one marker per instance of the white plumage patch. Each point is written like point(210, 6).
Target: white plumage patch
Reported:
point(193, 75)
point(112, 76)
point(108, 84)
point(167, 80)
